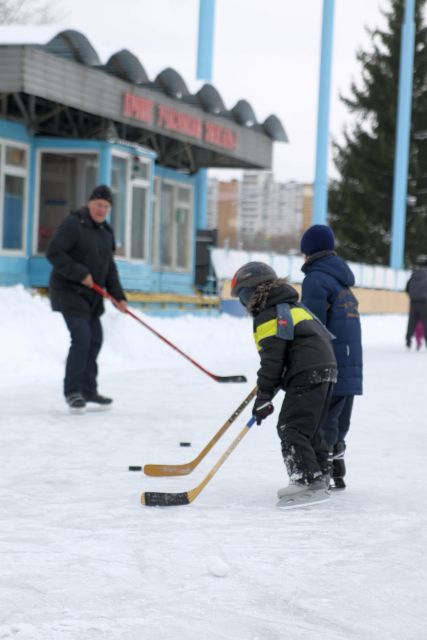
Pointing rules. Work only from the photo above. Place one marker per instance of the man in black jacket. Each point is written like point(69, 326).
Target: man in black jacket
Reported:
point(81, 252)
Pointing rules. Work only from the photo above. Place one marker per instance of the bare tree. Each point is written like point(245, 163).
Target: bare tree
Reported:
point(27, 12)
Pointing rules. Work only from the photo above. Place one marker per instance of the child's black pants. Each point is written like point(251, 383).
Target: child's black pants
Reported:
point(301, 417)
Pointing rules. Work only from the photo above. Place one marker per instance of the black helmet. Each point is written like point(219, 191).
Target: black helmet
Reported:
point(250, 276)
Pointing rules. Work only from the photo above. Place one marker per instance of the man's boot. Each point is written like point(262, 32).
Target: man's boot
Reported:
point(338, 466)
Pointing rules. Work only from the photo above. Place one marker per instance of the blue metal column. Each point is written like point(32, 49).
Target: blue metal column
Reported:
point(400, 184)
point(204, 72)
point(206, 39)
point(320, 204)
point(105, 164)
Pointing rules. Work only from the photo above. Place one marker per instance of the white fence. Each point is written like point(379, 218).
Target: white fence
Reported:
point(225, 263)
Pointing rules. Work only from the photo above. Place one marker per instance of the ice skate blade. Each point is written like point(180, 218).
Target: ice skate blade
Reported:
point(95, 408)
point(303, 500)
point(77, 410)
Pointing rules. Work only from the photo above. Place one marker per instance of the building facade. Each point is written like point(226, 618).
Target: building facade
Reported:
point(67, 123)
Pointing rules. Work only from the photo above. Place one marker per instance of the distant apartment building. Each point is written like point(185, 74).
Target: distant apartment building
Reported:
point(223, 211)
point(254, 202)
point(257, 206)
point(212, 204)
point(228, 214)
point(273, 208)
point(307, 206)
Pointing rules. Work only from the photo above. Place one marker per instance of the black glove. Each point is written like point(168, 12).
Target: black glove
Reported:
point(262, 407)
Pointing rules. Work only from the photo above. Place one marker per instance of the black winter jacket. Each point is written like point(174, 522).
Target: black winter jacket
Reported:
point(417, 286)
point(80, 247)
point(290, 362)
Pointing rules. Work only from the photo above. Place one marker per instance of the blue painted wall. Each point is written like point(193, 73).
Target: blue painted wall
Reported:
point(33, 270)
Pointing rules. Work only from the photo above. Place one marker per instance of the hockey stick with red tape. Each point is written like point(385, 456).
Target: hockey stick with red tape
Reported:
point(236, 378)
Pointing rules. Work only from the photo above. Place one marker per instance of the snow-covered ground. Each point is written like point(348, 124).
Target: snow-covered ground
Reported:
point(81, 559)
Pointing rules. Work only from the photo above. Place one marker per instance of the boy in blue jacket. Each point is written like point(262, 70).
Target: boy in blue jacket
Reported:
point(326, 292)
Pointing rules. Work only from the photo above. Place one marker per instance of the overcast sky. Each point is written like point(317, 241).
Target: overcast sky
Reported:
point(266, 51)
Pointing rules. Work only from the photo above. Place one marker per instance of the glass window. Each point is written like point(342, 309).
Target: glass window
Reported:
point(13, 196)
point(13, 212)
point(66, 181)
point(16, 156)
point(140, 169)
point(167, 226)
point(184, 194)
point(155, 225)
point(176, 227)
point(183, 238)
point(139, 219)
point(89, 171)
point(118, 210)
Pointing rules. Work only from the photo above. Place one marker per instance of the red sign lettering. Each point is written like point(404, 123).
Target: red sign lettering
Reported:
point(174, 120)
point(138, 108)
point(220, 136)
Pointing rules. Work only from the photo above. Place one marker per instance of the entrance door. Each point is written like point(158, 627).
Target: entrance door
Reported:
point(66, 181)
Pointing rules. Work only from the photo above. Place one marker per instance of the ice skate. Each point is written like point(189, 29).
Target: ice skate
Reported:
point(76, 403)
point(313, 493)
point(97, 402)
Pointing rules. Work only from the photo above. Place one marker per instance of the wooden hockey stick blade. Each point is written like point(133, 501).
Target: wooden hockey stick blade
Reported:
point(185, 469)
point(154, 499)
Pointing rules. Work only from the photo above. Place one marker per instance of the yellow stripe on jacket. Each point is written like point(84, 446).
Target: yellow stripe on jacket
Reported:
point(269, 328)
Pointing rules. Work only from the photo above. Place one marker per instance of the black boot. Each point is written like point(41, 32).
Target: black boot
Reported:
point(97, 398)
point(338, 466)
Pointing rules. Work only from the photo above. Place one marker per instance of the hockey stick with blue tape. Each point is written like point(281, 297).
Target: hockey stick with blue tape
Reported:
point(155, 499)
point(186, 468)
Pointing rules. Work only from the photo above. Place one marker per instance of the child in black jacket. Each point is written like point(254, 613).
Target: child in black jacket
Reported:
point(297, 356)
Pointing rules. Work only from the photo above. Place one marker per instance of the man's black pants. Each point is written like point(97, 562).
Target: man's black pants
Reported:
point(81, 369)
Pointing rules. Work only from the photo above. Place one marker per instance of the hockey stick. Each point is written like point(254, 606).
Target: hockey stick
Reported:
point(237, 378)
point(153, 499)
point(185, 469)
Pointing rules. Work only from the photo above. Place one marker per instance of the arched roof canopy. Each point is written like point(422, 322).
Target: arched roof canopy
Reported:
point(126, 65)
point(172, 83)
point(243, 113)
point(55, 90)
point(73, 45)
point(210, 99)
point(274, 128)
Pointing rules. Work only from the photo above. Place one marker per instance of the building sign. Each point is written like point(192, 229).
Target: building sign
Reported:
point(221, 136)
point(170, 119)
point(138, 108)
point(179, 121)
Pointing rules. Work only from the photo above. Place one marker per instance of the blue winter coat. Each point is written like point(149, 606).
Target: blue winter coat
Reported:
point(326, 292)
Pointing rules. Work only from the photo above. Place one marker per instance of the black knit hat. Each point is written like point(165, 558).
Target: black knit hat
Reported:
point(319, 237)
point(102, 192)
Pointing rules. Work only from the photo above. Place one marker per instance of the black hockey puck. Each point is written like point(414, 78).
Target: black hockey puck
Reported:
point(135, 468)
point(185, 444)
